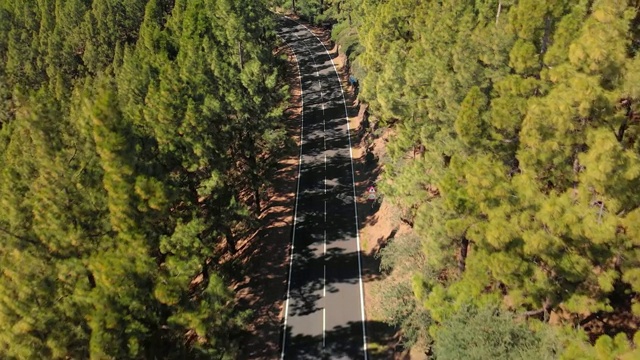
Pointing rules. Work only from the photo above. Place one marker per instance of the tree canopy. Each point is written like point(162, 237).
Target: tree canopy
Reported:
point(135, 137)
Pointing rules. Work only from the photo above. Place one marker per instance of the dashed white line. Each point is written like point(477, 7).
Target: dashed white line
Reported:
point(324, 326)
point(324, 138)
point(324, 286)
point(325, 249)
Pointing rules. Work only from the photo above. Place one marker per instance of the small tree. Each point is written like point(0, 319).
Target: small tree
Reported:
point(489, 333)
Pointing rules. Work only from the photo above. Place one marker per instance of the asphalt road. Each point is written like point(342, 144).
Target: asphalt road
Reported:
point(324, 316)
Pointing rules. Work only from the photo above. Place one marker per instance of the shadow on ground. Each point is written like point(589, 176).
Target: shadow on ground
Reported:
point(261, 287)
point(340, 343)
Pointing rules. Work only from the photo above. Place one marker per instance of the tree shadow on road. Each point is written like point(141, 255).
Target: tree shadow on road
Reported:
point(341, 343)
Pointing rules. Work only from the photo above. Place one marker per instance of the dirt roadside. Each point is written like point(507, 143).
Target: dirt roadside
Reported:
point(264, 255)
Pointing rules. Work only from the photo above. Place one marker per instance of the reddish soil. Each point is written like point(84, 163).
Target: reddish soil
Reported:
point(264, 255)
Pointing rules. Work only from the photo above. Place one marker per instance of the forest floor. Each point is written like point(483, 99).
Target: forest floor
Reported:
point(264, 255)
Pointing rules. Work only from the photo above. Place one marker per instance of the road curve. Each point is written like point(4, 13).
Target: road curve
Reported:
point(324, 310)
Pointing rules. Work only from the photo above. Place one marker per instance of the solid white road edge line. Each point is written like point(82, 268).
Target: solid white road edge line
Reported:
point(295, 211)
point(355, 204)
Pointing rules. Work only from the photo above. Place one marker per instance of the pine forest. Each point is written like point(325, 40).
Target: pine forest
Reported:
point(137, 139)
point(130, 130)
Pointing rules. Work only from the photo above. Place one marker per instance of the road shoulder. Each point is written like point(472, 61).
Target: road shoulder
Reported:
point(264, 255)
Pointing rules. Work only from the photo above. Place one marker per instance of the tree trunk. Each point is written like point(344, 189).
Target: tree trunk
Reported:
point(446, 159)
point(252, 162)
point(600, 212)
point(231, 241)
point(407, 221)
point(546, 307)
point(205, 274)
point(256, 197)
point(91, 279)
point(27, 240)
point(293, 2)
point(621, 130)
point(241, 53)
point(498, 12)
point(464, 247)
point(545, 37)
point(590, 317)
point(625, 123)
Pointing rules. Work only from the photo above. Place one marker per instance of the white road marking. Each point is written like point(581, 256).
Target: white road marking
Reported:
point(325, 250)
point(324, 326)
point(295, 211)
point(355, 204)
point(324, 285)
point(324, 132)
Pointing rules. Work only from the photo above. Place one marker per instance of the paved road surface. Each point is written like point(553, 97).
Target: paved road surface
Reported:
point(324, 309)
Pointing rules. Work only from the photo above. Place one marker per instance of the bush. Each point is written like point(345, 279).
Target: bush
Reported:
point(488, 333)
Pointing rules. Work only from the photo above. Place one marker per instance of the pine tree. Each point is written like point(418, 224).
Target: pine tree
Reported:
point(514, 151)
point(119, 177)
point(487, 333)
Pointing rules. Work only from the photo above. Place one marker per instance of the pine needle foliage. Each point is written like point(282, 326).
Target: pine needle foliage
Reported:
point(135, 140)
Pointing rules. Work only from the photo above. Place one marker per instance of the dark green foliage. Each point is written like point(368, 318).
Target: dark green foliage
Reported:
point(488, 333)
point(400, 305)
point(130, 135)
